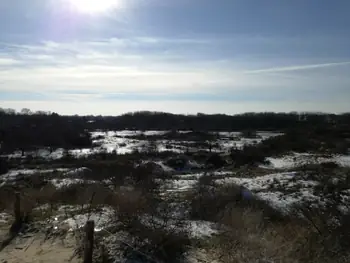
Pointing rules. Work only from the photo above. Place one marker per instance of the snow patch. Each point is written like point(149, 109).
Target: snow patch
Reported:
point(5, 218)
point(164, 167)
point(101, 219)
point(281, 190)
point(13, 174)
point(195, 229)
point(201, 229)
point(61, 183)
point(178, 185)
point(76, 171)
point(299, 159)
point(258, 183)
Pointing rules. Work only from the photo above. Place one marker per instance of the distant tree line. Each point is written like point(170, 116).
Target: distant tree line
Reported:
point(32, 131)
point(27, 130)
point(267, 121)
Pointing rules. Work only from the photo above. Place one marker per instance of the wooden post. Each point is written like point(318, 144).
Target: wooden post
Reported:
point(89, 241)
point(17, 207)
point(104, 257)
point(16, 226)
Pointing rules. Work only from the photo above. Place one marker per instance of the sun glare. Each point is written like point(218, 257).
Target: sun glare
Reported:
point(95, 6)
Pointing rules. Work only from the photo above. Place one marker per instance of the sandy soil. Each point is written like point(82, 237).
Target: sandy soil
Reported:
point(36, 249)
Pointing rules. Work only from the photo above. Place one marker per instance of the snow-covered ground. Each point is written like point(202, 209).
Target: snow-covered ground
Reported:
point(41, 153)
point(227, 145)
point(185, 182)
point(263, 134)
point(101, 219)
point(201, 229)
point(178, 185)
point(165, 168)
point(121, 142)
point(127, 133)
point(4, 218)
point(266, 135)
point(13, 174)
point(70, 218)
point(60, 183)
point(195, 228)
point(282, 190)
point(258, 183)
point(298, 159)
point(65, 175)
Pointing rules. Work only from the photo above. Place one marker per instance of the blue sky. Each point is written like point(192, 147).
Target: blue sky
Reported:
point(183, 56)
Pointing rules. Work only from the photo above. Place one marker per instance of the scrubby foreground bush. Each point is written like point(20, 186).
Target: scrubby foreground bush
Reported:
point(253, 231)
point(140, 225)
point(4, 167)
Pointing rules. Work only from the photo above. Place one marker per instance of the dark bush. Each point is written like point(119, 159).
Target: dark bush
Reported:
point(25, 132)
point(249, 134)
point(216, 161)
point(156, 235)
point(108, 169)
point(249, 155)
point(207, 203)
point(157, 245)
point(6, 197)
point(178, 163)
point(330, 236)
point(4, 167)
point(308, 139)
point(329, 165)
point(144, 178)
point(210, 202)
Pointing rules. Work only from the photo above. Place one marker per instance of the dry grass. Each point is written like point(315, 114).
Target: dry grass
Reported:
point(256, 232)
point(247, 238)
point(130, 203)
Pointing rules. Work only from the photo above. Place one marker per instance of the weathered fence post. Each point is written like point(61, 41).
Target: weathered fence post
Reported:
point(89, 241)
point(17, 207)
point(16, 226)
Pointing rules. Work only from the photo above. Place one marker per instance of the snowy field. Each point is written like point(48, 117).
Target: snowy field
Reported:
point(294, 160)
point(121, 142)
point(59, 177)
point(283, 191)
point(282, 183)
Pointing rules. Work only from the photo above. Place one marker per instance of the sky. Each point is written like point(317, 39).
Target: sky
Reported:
point(109, 57)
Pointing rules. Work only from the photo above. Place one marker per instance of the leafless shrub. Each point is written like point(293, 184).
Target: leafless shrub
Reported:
point(156, 233)
point(6, 198)
point(206, 202)
point(157, 236)
point(330, 231)
point(158, 244)
point(247, 238)
point(210, 202)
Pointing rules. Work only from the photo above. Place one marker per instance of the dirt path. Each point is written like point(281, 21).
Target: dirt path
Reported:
point(34, 249)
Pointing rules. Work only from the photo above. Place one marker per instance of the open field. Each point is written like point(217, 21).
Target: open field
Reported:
point(165, 196)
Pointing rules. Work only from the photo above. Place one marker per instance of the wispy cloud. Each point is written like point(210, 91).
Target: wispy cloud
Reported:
point(105, 66)
point(128, 70)
point(299, 67)
point(170, 53)
point(8, 61)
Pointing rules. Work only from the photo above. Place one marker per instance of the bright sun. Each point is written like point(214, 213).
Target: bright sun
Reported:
point(95, 6)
